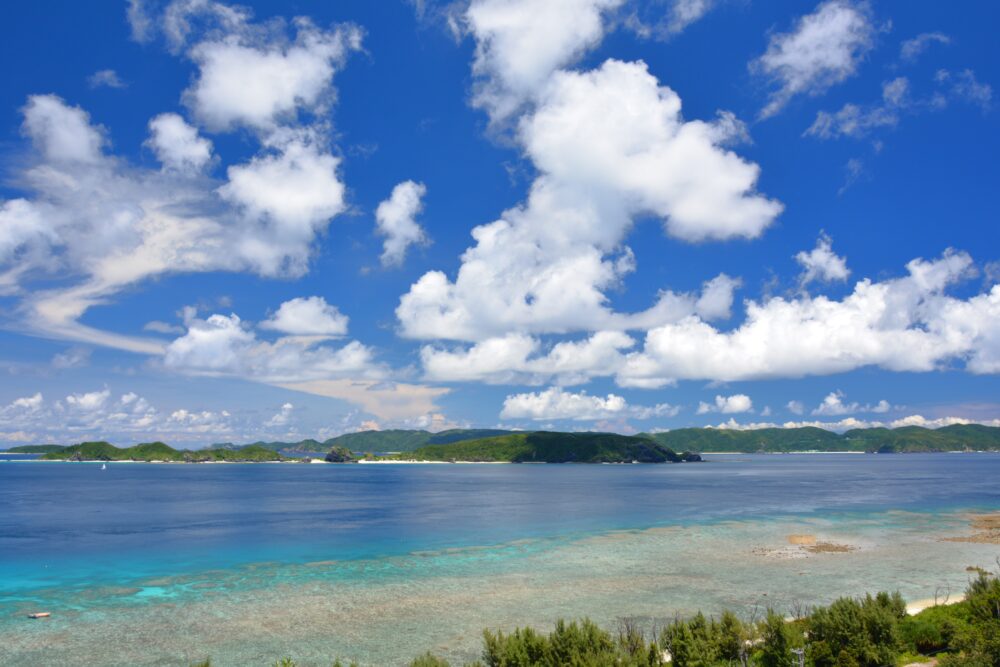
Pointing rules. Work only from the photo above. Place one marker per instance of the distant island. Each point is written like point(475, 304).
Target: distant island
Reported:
point(156, 451)
point(551, 447)
point(495, 445)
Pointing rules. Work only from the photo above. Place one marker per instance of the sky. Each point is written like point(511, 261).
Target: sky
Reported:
point(280, 220)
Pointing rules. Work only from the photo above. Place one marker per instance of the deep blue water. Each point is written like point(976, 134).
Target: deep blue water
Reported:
point(71, 523)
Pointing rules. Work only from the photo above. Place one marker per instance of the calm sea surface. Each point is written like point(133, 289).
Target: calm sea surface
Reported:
point(82, 539)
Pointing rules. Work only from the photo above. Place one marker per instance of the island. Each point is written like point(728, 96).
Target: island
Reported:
point(551, 447)
point(500, 446)
point(159, 451)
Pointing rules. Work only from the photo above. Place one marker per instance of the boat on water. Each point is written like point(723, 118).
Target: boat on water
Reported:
point(104, 466)
point(40, 614)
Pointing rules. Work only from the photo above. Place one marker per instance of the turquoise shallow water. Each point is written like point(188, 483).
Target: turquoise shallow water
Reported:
point(158, 564)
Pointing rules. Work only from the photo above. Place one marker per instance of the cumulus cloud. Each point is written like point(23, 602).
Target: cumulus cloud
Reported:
point(62, 134)
point(281, 417)
point(849, 423)
point(834, 405)
point(307, 316)
point(911, 49)
point(824, 49)
point(222, 345)
point(396, 221)
point(31, 403)
point(795, 407)
point(98, 224)
point(822, 264)
point(105, 78)
point(555, 403)
point(520, 43)
point(93, 400)
point(610, 145)
point(177, 144)
point(246, 81)
point(129, 418)
point(727, 405)
point(289, 196)
point(901, 324)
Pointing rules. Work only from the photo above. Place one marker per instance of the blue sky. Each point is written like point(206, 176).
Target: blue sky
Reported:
point(284, 220)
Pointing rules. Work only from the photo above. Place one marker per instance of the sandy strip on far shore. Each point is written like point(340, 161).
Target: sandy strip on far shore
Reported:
point(917, 606)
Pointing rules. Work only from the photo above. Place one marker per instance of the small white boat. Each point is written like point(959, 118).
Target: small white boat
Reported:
point(104, 466)
point(39, 614)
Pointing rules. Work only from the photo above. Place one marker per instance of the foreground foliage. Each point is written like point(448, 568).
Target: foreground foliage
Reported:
point(872, 631)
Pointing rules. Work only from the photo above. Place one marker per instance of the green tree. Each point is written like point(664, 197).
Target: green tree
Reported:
point(776, 642)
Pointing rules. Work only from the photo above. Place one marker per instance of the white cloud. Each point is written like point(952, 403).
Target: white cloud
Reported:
point(555, 403)
point(223, 345)
point(833, 405)
point(307, 316)
point(89, 401)
point(396, 221)
point(260, 83)
point(75, 357)
point(61, 133)
point(849, 423)
point(162, 327)
point(31, 403)
point(177, 144)
point(685, 12)
point(289, 196)
point(282, 417)
point(518, 358)
point(967, 88)
point(610, 145)
point(858, 121)
point(822, 264)
point(105, 78)
point(140, 24)
point(824, 49)
point(911, 49)
point(855, 121)
point(99, 224)
point(520, 43)
point(727, 405)
point(795, 407)
point(902, 324)
point(393, 401)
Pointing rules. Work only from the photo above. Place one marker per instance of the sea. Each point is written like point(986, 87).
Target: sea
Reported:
point(169, 564)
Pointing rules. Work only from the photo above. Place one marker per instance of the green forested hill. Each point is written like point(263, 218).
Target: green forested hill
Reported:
point(158, 451)
point(959, 437)
point(549, 447)
point(906, 439)
point(397, 440)
point(36, 449)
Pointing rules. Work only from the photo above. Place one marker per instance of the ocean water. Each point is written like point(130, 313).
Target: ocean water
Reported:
point(166, 564)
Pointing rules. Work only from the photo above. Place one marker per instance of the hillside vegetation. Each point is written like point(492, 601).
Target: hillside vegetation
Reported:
point(158, 451)
point(36, 449)
point(510, 444)
point(959, 437)
point(399, 440)
point(549, 447)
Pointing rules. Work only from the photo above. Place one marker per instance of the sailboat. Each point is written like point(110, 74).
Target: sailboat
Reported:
point(104, 466)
